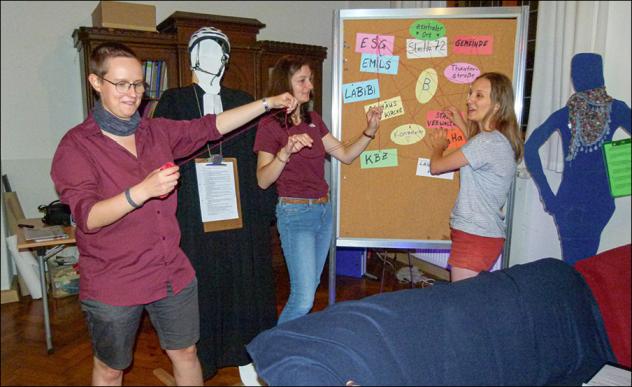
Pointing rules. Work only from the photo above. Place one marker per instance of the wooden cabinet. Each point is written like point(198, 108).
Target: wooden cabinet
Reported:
point(250, 60)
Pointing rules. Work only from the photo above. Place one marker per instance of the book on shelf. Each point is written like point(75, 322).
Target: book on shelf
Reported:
point(156, 79)
point(44, 234)
point(149, 65)
point(163, 79)
point(155, 72)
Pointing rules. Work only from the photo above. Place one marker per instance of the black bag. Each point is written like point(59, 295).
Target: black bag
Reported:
point(56, 213)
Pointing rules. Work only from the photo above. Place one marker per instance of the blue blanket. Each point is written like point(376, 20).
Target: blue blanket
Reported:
point(532, 324)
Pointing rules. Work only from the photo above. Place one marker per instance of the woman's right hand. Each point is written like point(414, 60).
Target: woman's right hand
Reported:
point(160, 182)
point(455, 116)
point(296, 142)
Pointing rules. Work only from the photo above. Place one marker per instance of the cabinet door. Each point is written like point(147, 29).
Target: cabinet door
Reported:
point(241, 72)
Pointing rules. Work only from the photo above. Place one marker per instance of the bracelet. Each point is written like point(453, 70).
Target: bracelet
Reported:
point(129, 199)
point(265, 105)
point(281, 160)
point(369, 136)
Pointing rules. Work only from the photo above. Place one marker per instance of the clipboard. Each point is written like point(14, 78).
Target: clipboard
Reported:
point(221, 224)
point(617, 159)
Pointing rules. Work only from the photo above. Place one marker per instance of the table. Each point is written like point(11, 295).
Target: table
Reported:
point(40, 248)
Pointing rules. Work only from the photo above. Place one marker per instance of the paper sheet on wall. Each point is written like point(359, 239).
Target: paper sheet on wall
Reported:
point(423, 169)
point(617, 157)
point(216, 187)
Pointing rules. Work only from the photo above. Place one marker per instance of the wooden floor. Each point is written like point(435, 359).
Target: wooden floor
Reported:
point(25, 362)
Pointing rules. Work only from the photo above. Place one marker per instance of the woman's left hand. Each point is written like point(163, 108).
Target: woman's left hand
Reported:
point(373, 117)
point(285, 100)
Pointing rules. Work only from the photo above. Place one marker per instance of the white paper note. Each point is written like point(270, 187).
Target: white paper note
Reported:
point(216, 186)
point(423, 169)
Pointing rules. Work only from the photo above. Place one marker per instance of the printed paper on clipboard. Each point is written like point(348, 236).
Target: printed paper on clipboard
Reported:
point(218, 188)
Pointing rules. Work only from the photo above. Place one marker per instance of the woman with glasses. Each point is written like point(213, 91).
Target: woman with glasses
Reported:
point(108, 169)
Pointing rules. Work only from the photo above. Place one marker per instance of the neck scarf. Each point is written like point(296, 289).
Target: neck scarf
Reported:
point(112, 124)
point(589, 120)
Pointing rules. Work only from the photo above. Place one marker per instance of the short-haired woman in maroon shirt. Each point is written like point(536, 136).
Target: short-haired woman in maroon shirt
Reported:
point(291, 152)
point(108, 169)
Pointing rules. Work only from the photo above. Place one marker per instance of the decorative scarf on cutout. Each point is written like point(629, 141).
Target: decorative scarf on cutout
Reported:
point(589, 120)
point(112, 124)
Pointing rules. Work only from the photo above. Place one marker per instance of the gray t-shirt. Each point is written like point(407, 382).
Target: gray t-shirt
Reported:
point(485, 183)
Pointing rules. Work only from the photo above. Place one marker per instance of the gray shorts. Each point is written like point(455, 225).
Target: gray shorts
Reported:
point(113, 329)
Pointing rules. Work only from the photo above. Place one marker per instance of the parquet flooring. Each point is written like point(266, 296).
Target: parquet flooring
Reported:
point(26, 363)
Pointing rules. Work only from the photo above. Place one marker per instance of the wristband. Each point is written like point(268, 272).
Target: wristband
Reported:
point(369, 136)
point(281, 160)
point(265, 105)
point(129, 199)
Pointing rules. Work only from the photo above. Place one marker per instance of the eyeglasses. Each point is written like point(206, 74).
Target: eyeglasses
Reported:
point(123, 87)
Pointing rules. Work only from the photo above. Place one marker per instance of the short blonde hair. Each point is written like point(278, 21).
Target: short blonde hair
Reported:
point(105, 51)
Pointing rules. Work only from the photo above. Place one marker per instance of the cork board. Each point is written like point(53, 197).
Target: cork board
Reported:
point(413, 62)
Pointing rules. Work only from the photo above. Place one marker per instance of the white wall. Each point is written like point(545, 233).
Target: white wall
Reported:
point(534, 233)
point(41, 85)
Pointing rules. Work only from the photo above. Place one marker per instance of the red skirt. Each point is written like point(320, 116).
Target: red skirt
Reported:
point(474, 252)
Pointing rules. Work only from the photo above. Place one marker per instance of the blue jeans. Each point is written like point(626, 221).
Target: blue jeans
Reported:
point(306, 231)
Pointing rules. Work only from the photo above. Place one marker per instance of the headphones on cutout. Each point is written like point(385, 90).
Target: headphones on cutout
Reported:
point(214, 34)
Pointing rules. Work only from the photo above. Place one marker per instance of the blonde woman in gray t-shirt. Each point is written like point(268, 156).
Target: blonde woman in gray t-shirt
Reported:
point(487, 163)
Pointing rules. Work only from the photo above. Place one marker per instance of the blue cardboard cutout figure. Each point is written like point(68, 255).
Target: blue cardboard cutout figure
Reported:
point(583, 204)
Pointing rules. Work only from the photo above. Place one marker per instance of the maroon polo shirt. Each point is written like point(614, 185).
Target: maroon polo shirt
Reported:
point(304, 175)
point(132, 260)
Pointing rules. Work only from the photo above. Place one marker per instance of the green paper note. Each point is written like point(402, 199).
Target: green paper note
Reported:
point(378, 158)
point(617, 157)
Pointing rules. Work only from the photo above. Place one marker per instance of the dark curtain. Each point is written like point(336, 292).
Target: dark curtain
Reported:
point(234, 267)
